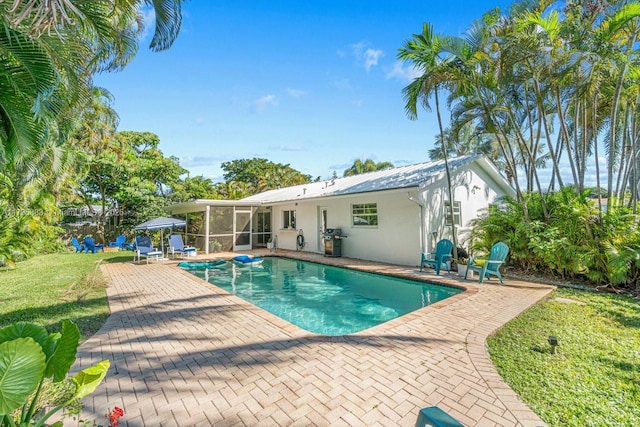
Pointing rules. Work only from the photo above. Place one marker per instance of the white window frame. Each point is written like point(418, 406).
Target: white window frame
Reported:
point(457, 213)
point(361, 213)
point(289, 219)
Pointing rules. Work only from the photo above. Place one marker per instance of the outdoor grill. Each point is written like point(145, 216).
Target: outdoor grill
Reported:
point(333, 242)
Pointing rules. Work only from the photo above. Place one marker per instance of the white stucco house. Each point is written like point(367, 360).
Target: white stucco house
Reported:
point(389, 216)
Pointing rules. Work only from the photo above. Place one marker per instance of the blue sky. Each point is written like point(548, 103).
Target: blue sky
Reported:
point(315, 84)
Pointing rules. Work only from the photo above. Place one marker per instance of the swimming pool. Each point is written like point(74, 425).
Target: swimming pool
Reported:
point(323, 299)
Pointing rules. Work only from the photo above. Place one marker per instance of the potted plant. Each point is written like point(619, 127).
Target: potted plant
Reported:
point(217, 246)
point(461, 267)
point(270, 244)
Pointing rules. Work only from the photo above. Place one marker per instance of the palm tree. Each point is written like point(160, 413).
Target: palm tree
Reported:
point(45, 16)
point(51, 49)
point(368, 165)
point(426, 52)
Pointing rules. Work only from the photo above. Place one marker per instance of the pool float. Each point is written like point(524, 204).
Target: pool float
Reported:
point(201, 265)
point(247, 260)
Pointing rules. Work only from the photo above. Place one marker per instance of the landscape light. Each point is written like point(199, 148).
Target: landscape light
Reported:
point(553, 340)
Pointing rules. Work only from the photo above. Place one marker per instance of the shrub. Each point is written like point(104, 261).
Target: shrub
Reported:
point(573, 240)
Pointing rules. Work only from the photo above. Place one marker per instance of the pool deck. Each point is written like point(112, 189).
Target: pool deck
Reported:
point(186, 353)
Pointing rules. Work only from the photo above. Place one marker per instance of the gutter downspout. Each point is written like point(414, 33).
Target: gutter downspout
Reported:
point(423, 207)
point(206, 229)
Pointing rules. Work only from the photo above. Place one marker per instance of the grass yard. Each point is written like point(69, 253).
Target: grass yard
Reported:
point(48, 288)
point(594, 377)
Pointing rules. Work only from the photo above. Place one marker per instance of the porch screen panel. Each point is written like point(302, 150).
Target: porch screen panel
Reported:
point(220, 228)
point(195, 230)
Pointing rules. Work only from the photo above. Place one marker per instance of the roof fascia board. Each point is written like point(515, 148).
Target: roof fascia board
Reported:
point(339, 196)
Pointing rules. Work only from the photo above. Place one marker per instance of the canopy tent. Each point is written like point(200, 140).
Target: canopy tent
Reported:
point(161, 223)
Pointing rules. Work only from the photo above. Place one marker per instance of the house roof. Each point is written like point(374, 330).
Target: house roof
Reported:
point(389, 179)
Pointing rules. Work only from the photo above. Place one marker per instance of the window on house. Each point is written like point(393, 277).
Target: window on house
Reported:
point(365, 214)
point(456, 213)
point(289, 219)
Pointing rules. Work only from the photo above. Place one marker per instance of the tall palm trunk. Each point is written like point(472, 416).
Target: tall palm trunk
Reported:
point(615, 106)
point(445, 156)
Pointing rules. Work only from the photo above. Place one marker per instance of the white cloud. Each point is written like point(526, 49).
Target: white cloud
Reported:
point(404, 74)
point(287, 148)
point(199, 161)
point(365, 55)
point(296, 93)
point(149, 22)
point(262, 102)
point(371, 57)
point(343, 84)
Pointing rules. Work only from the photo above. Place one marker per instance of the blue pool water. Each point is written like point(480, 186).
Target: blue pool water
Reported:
point(323, 299)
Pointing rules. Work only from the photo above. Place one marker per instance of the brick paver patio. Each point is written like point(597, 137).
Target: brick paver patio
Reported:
point(185, 353)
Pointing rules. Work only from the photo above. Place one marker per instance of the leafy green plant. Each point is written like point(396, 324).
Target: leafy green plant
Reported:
point(29, 357)
point(575, 239)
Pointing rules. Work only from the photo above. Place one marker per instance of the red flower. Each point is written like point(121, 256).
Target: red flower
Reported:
point(114, 415)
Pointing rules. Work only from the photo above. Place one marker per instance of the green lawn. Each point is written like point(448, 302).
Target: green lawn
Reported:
point(594, 377)
point(48, 288)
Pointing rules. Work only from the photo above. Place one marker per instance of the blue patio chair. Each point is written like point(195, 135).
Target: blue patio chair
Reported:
point(434, 416)
point(79, 247)
point(438, 259)
point(130, 246)
point(177, 246)
point(487, 266)
point(91, 245)
point(144, 248)
point(120, 241)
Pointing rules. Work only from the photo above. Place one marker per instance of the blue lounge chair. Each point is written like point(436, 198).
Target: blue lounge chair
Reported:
point(176, 246)
point(438, 259)
point(79, 247)
point(91, 245)
point(487, 266)
point(120, 241)
point(144, 248)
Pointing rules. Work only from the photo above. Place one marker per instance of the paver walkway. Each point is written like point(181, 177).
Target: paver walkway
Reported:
point(185, 353)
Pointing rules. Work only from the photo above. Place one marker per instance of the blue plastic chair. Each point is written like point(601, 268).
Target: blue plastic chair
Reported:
point(91, 245)
point(487, 266)
point(120, 241)
point(434, 416)
point(438, 259)
point(79, 247)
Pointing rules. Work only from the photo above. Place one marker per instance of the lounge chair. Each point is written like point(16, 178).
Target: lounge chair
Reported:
point(487, 266)
point(438, 259)
point(79, 246)
point(176, 246)
point(120, 241)
point(144, 248)
point(91, 245)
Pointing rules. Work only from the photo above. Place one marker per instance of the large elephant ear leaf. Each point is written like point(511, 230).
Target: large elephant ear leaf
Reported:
point(24, 330)
point(65, 353)
point(87, 380)
point(21, 366)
